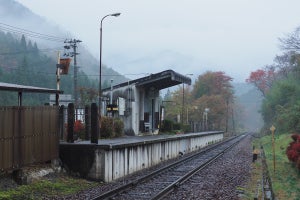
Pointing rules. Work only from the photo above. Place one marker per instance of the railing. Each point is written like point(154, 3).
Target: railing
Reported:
point(28, 135)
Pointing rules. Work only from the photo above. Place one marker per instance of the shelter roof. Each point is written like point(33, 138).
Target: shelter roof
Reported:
point(24, 88)
point(158, 81)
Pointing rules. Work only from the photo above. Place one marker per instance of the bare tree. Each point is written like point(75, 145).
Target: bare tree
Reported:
point(292, 41)
point(284, 64)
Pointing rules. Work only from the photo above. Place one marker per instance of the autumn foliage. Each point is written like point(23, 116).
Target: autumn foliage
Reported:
point(212, 90)
point(293, 150)
point(212, 83)
point(262, 79)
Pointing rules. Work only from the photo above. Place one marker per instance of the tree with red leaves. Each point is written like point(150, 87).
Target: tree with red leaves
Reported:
point(262, 79)
point(212, 83)
point(213, 90)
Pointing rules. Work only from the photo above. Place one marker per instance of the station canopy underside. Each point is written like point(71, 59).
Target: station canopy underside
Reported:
point(163, 80)
point(24, 88)
point(158, 81)
point(20, 89)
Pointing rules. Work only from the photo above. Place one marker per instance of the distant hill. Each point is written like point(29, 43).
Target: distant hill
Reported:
point(16, 15)
point(250, 101)
point(242, 88)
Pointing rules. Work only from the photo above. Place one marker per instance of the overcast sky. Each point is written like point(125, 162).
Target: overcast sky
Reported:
point(192, 36)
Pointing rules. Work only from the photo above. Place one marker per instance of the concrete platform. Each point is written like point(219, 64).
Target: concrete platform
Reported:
point(111, 159)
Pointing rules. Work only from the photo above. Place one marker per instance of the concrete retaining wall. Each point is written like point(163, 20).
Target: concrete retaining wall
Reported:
point(114, 161)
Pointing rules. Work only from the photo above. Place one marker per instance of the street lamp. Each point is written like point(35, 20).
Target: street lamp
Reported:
point(204, 124)
point(100, 93)
point(182, 115)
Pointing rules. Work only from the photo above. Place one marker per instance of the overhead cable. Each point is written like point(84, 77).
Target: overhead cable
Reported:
point(17, 30)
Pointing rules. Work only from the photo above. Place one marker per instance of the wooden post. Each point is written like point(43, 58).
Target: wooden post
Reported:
point(87, 122)
point(58, 71)
point(95, 123)
point(70, 129)
point(61, 121)
point(273, 146)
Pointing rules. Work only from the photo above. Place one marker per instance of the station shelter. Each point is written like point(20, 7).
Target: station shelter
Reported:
point(137, 102)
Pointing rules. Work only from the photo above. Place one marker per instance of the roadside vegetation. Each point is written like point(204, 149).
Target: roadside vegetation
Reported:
point(279, 84)
point(48, 187)
point(285, 178)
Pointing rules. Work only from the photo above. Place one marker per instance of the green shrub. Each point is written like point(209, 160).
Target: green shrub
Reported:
point(118, 127)
point(167, 126)
point(111, 127)
point(106, 129)
point(177, 126)
point(171, 127)
point(186, 128)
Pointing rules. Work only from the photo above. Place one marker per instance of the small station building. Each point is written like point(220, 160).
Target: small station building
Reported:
point(137, 102)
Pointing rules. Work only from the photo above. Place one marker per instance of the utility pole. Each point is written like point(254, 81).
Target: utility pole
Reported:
point(73, 44)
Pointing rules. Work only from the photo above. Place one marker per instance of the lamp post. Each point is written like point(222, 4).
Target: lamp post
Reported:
point(100, 92)
point(206, 110)
point(182, 115)
point(111, 91)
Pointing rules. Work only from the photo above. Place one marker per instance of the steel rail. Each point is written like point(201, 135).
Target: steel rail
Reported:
point(188, 175)
point(125, 187)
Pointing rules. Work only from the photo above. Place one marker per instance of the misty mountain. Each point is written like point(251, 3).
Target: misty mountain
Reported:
point(15, 14)
point(250, 100)
point(153, 62)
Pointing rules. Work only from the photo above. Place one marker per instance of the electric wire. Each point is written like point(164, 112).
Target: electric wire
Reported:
point(32, 51)
point(17, 68)
point(17, 30)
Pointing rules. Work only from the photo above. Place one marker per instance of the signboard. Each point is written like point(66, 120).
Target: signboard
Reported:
point(64, 65)
point(121, 105)
point(112, 108)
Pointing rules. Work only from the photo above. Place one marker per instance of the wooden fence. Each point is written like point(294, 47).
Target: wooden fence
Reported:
point(28, 135)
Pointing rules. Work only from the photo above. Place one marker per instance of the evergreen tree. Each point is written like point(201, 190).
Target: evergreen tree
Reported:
point(22, 63)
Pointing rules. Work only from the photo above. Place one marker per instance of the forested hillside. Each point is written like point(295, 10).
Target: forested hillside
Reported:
point(28, 45)
point(22, 62)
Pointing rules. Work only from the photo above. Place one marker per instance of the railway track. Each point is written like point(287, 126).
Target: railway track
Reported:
point(164, 180)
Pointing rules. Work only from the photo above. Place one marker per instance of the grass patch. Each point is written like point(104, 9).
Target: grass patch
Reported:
point(62, 186)
point(285, 177)
point(253, 187)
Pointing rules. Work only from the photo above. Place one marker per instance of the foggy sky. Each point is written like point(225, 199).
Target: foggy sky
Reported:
point(193, 36)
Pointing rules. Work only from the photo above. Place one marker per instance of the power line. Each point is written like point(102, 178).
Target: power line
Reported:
point(16, 68)
point(17, 30)
point(19, 52)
